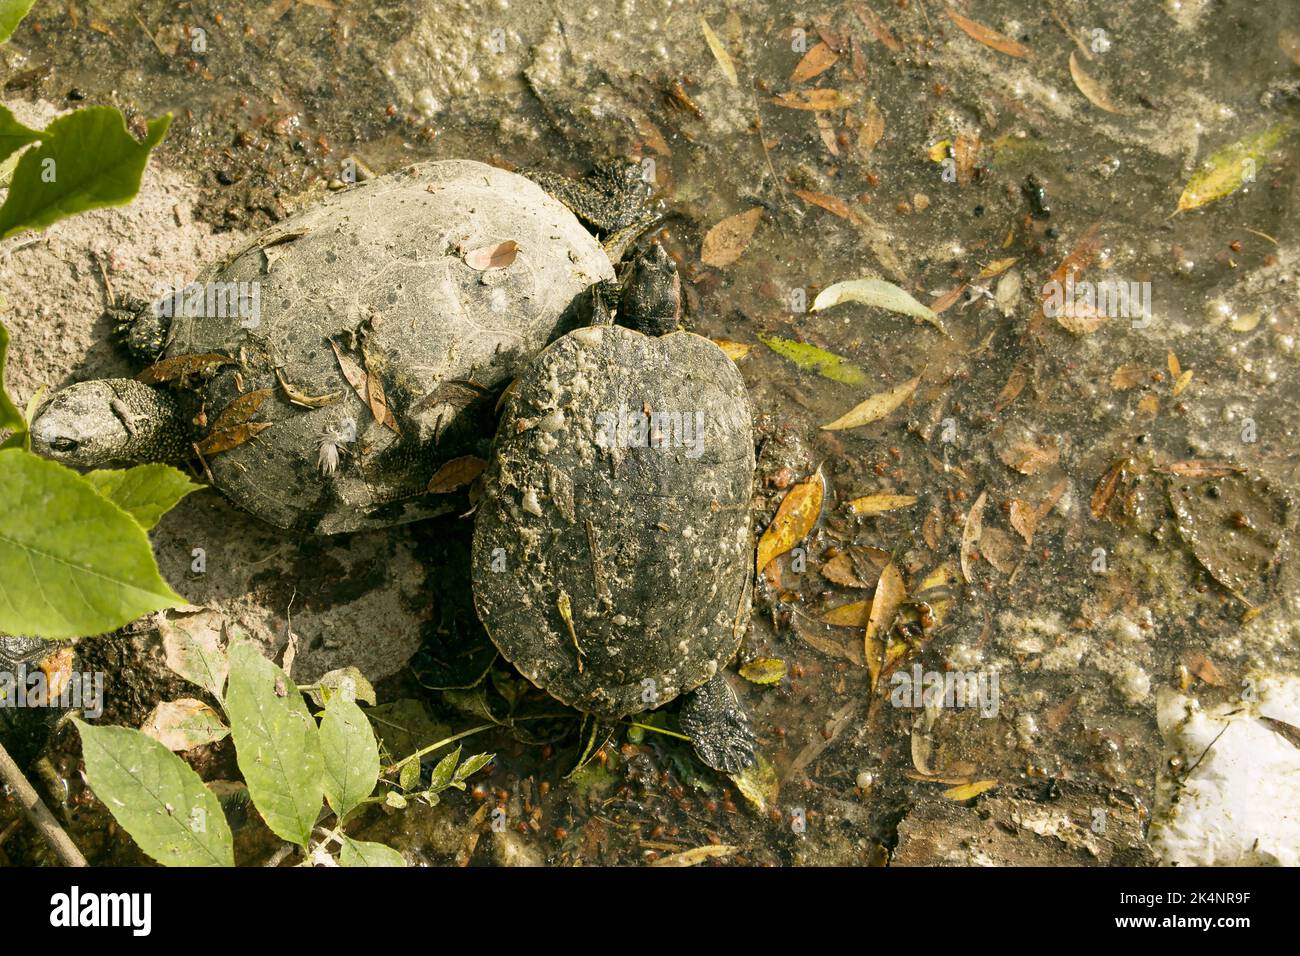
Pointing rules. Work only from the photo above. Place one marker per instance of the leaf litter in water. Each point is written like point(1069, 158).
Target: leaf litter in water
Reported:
point(1094, 92)
point(795, 518)
point(854, 614)
point(814, 99)
point(878, 293)
point(1230, 168)
point(890, 592)
point(970, 536)
point(969, 791)
point(728, 239)
point(875, 408)
point(719, 53)
point(764, 670)
point(815, 62)
point(879, 504)
point(988, 36)
point(814, 359)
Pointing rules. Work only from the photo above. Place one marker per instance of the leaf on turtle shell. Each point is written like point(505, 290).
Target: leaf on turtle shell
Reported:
point(179, 366)
point(230, 438)
point(728, 239)
point(874, 408)
point(764, 670)
point(352, 372)
point(796, 516)
point(810, 357)
point(455, 474)
point(496, 256)
point(376, 398)
point(241, 409)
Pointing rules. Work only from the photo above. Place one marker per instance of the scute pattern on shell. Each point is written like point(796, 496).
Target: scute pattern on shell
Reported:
point(383, 263)
point(649, 548)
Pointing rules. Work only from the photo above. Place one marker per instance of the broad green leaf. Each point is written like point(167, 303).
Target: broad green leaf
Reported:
point(156, 797)
point(184, 724)
point(351, 755)
point(408, 778)
point(11, 14)
point(86, 160)
point(13, 134)
point(23, 437)
point(472, 766)
point(276, 742)
point(10, 416)
point(827, 364)
point(361, 853)
point(758, 783)
point(145, 492)
point(192, 648)
point(1230, 168)
point(346, 680)
point(875, 408)
point(876, 292)
point(445, 771)
point(71, 562)
point(764, 670)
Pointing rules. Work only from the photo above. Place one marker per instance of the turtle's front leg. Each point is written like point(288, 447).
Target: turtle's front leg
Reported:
point(719, 729)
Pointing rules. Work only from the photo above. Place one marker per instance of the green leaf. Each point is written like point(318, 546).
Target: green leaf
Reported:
point(276, 743)
point(87, 160)
point(408, 778)
point(192, 648)
point(11, 14)
point(764, 670)
point(156, 797)
point(472, 766)
point(145, 492)
point(826, 364)
point(10, 417)
point(1230, 168)
point(347, 680)
point(445, 771)
point(878, 293)
point(361, 853)
point(351, 755)
point(13, 134)
point(72, 563)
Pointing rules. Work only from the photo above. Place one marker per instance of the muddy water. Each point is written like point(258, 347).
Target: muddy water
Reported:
point(958, 170)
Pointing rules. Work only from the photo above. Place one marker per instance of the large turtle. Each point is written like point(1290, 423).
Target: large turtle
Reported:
point(612, 556)
point(424, 291)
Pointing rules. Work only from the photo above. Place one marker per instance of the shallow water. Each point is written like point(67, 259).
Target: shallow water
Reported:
point(1077, 629)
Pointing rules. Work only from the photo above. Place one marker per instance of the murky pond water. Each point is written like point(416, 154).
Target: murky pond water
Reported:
point(1098, 505)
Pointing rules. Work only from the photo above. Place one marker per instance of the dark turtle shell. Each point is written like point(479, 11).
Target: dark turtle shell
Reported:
point(612, 544)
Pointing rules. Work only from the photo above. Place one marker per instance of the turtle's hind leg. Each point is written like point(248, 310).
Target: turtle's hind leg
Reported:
point(718, 727)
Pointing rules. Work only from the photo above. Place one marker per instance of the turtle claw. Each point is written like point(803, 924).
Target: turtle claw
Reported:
point(719, 729)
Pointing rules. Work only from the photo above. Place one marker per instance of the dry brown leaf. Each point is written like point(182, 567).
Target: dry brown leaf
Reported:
point(1182, 382)
point(1201, 468)
point(840, 570)
point(970, 536)
point(1030, 458)
point(496, 256)
point(814, 63)
point(1016, 383)
point(871, 130)
point(171, 369)
point(1072, 266)
point(879, 504)
point(890, 592)
point(376, 398)
point(720, 53)
point(826, 130)
point(728, 239)
point(998, 549)
point(850, 650)
point(876, 27)
point(1204, 668)
point(735, 350)
point(696, 856)
point(815, 99)
point(241, 409)
point(1288, 41)
point(230, 438)
point(1149, 405)
point(830, 203)
point(876, 407)
point(1127, 376)
point(1105, 488)
point(1090, 88)
point(988, 36)
point(854, 614)
point(456, 473)
point(795, 518)
point(1025, 517)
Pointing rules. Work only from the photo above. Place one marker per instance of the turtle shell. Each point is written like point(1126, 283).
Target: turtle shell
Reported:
point(391, 283)
point(612, 546)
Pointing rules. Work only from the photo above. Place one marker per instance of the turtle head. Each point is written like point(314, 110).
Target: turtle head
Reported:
point(652, 293)
point(93, 423)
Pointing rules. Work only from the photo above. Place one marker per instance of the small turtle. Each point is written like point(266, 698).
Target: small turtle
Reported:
point(612, 556)
point(342, 357)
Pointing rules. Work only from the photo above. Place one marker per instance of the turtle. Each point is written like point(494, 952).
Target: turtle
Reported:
point(612, 559)
point(326, 370)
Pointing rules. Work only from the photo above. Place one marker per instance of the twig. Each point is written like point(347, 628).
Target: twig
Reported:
point(38, 813)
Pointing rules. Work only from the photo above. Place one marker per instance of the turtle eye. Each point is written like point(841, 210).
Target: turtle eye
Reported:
point(64, 444)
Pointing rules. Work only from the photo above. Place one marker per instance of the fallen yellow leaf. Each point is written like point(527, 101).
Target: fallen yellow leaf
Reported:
point(796, 516)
